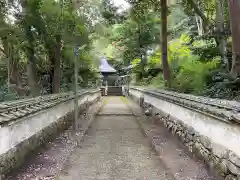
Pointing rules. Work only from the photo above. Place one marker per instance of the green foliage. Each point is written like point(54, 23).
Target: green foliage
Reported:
point(191, 76)
point(177, 51)
point(205, 49)
point(136, 35)
point(42, 28)
point(157, 81)
point(189, 73)
point(193, 45)
point(39, 33)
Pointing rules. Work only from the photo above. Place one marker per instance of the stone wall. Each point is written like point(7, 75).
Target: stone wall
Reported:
point(26, 135)
point(209, 139)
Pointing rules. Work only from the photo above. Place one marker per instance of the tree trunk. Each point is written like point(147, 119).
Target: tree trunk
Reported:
point(14, 75)
point(198, 25)
point(51, 57)
point(31, 72)
point(31, 64)
point(30, 52)
point(234, 14)
point(56, 65)
point(220, 28)
point(54, 55)
point(142, 63)
point(166, 70)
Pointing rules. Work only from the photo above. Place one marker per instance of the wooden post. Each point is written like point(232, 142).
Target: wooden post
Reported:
point(75, 91)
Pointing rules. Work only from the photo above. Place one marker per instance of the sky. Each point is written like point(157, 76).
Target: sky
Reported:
point(122, 3)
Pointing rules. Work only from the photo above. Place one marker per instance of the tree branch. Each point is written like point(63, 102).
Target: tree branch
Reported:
point(199, 12)
point(2, 50)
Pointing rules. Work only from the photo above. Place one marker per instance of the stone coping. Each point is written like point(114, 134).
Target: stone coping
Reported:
point(224, 110)
point(13, 110)
point(206, 100)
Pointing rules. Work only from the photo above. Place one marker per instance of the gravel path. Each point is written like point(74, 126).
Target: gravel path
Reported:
point(115, 148)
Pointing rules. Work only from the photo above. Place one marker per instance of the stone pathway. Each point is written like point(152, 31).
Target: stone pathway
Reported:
point(115, 148)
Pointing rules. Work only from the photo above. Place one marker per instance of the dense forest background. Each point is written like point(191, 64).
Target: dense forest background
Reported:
point(187, 46)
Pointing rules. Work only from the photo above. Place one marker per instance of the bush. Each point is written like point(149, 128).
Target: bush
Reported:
point(192, 74)
point(157, 81)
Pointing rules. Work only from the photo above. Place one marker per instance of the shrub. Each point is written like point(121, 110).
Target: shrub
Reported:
point(192, 74)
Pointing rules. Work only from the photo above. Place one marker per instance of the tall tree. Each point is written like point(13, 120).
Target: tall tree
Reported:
point(234, 14)
point(222, 43)
point(52, 12)
point(164, 42)
point(9, 42)
point(29, 22)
